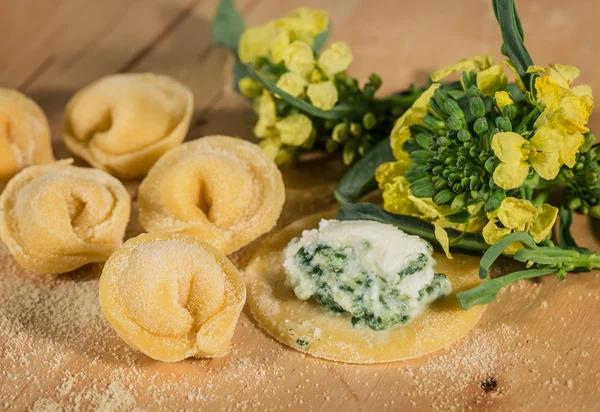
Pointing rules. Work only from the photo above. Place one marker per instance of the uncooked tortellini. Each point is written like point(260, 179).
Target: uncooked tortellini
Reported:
point(172, 296)
point(223, 190)
point(56, 218)
point(24, 134)
point(124, 122)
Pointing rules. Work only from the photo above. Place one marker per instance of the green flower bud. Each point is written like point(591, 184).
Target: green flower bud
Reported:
point(480, 126)
point(574, 203)
point(369, 121)
point(423, 188)
point(492, 184)
point(474, 152)
point(461, 161)
point(485, 193)
point(459, 201)
point(433, 123)
point(444, 141)
point(350, 151)
point(475, 194)
point(468, 80)
point(495, 200)
point(591, 178)
point(453, 109)
point(330, 123)
point(351, 82)
point(595, 211)
point(375, 80)
point(474, 183)
point(510, 111)
point(588, 142)
point(443, 151)
point(437, 170)
point(483, 155)
point(340, 132)
point(450, 160)
point(463, 135)
point(463, 151)
point(454, 123)
point(440, 184)
point(490, 164)
point(473, 90)
point(465, 182)
point(419, 156)
point(457, 188)
point(424, 140)
point(469, 145)
point(331, 146)
point(477, 106)
point(443, 197)
point(453, 177)
point(469, 167)
point(415, 172)
point(369, 91)
point(503, 124)
point(355, 129)
point(595, 191)
point(435, 179)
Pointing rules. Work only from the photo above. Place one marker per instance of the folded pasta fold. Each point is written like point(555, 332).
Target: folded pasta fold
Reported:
point(24, 134)
point(56, 218)
point(172, 296)
point(223, 190)
point(123, 123)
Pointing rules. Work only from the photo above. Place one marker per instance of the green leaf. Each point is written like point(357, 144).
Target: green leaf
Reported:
point(321, 39)
point(487, 291)
point(340, 111)
point(360, 178)
point(228, 25)
point(565, 238)
point(470, 243)
point(497, 248)
point(512, 34)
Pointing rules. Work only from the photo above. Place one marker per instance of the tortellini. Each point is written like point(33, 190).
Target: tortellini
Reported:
point(223, 190)
point(123, 123)
point(56, 218)
point(24, 134)
point(172, 296)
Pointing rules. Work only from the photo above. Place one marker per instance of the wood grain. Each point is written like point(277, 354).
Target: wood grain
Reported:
point(536, 347)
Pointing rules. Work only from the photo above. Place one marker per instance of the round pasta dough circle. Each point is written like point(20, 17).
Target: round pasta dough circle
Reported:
point(24, 134)
point(331, 336)
point(221, 189)
point(56, 218)
point(172, 296)
point(123, 123)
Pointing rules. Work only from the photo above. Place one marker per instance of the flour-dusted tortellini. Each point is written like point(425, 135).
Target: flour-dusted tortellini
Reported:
point(123, 123)
point(223, 190)
point(24, 134)
point(56, 218)
point(172, 296)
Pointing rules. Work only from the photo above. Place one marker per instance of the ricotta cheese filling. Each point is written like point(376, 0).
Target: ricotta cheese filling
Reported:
point(376, 272)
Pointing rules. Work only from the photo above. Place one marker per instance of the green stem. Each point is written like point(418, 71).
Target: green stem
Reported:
point(523, 125)
point(487, 291)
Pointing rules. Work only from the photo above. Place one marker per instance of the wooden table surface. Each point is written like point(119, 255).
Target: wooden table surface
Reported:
point(536, 348)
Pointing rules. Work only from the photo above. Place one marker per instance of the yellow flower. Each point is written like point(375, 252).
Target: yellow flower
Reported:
point(335, 59)
point(519, 215)
point(304, 24)
point(270, 146)
point(491, 79)
point(395, 197)
point(503, 99)
point(278, 45)
point(516, 154)
point(294, 129)
point(442, 236)
point(298, 58)
point(256, 41)
point(267, 115)
point(474, 64)
point(387, 172)
point(250, 87)
point(414, 115)
point(292, 83)
point(566, 107)
point(323, 95)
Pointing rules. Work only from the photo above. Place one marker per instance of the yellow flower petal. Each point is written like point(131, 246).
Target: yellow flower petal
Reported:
point(554, 147)
point(266, 115)
point(510, 176)
point(507, 147)
point(395, 197)
point(517, 214)
point(270, 146)
point(278, 45)
point(575, 112)
point(298, 58)
point(415, 115)
point(256, 41)
point(503, 99)
point(429, 209)
point(542, 226)
point(570, 146)
point(304, 23)
point(442, 236)
point(323, 95)
point(335, 59)
point(492, 233)
point(389, 171)
point(292, 83)
point(294, 129)
point(548, 92)
point(491, 79)
point(547, 165)
point(473, 64)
